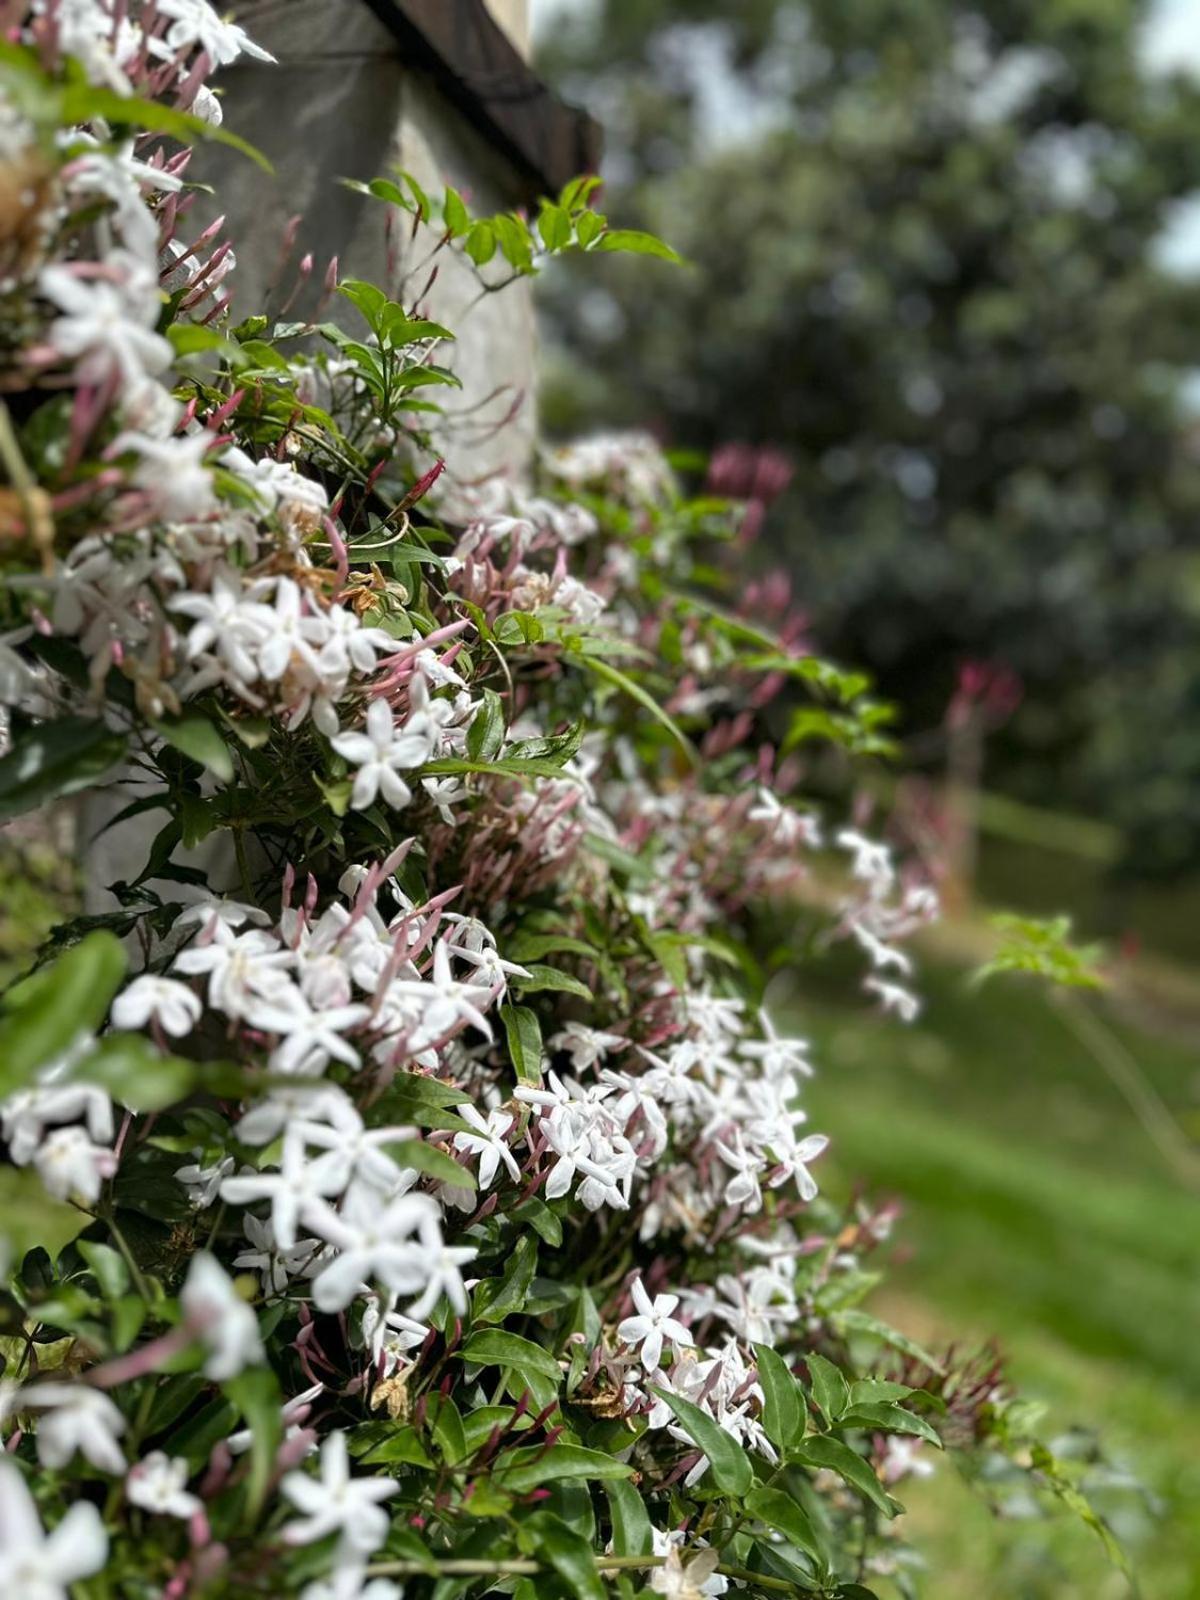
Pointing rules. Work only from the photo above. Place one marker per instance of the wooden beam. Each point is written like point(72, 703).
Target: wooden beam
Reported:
point(477, 67)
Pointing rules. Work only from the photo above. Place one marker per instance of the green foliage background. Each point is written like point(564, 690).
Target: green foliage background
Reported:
point(922, 236)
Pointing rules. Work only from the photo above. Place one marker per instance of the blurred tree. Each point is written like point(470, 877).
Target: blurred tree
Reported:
point(923, 236)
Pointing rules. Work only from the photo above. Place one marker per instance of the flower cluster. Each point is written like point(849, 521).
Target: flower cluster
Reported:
point(387, 1180)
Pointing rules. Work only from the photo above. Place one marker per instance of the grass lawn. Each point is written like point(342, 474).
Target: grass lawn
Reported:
point(1037, 1209)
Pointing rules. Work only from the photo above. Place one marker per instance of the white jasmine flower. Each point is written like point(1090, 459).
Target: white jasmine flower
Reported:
point(894, 997)
point(335, 1502)
point(380, 754)
point(196, 25)
point(204, 1183)
point(69, 1164)
point(399, 1243)
point(244, 970)
point(652, 1324)
point(487, 1142)
point(157, 1484)
point(218, 1315)
point(690, 1580)
point(172, 472)
point(586, 1046)
point(289, 1190)
point(77, 1418)
point(107, 328)
point(42, 1566)
point(171, 1004)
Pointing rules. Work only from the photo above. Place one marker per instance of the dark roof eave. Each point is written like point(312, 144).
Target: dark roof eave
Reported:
point(481, 72)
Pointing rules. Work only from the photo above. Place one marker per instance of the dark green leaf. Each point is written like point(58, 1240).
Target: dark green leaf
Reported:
point(496, 1297)
point(485, 736)
point(728, 1463)
point(543, 978)
point(829, 1388)
point(569, 1553)
point(495, 1348)
point(890, 1419)
point(524, 1038)
point(837, 1457)
point(428, 1158)
point(783, 1415)
point(30, 1218)
point(56, 759)
point(531, 1466)
point(780, 1512)
point(631, 1531)
point(107, 1267)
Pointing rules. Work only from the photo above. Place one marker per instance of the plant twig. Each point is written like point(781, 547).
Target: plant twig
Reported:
point(1143, 1099)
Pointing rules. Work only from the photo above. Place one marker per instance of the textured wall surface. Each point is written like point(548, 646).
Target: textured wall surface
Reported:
point(341, 103)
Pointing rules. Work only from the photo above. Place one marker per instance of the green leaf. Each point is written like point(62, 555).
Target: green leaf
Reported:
point(633, 241)
point(107, 1267)
point(779, 1511)
point(255, 1392)
point(529, 946)
point(398, 1444)
point(890, 1419)
point(543, 978)
point(446, 1426)
point(496, 1297)
point(853, 1321)
point(541, 1219)
point(631, 1531)
point(56, 759)
point(494, 1348)
point(728, 1463)
point(554, 226)
point(620, 680)
point(783, 1415)
point(531, 1466)
point(420, 198)
point(829, 1388)
point(577, 191)
point(515, 240)
point(367, 297)
point(481, 243)
point(423, 1101)
point(524, 1038)
point(868, 1390)
point(569, 1553)
point(44, 1013)
point(136, 1074)
point(428, 1158)
point(1044, 949)
point(485, 736)
point(30, 1218)
point(837, 1457)
point(200, 740)
point(455, 214)
point(1073, 1498)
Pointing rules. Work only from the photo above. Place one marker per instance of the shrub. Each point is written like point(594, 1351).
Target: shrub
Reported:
point(426, 1196)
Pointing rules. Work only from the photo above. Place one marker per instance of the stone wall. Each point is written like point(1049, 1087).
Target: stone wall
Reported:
point(341, 103)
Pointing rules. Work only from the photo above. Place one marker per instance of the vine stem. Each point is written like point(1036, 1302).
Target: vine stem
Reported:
point(520, 1568)
point(1107, 1050)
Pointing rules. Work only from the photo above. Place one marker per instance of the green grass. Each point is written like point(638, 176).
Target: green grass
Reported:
point(1039, 1210)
